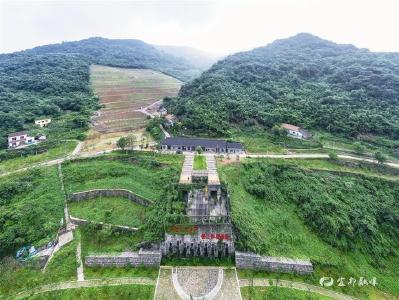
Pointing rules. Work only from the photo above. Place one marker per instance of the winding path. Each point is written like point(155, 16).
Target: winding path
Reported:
point(86, 284)
point(295, 285)
point(394, 164)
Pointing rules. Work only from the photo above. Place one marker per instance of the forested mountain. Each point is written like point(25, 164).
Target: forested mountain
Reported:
point(303, 80)
point(33, 86)
point(123, 53)
point(54, 80)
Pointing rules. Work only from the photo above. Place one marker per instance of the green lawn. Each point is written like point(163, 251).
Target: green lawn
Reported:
point(139, 292)
point(144, 174)
point(278, 293)
point(199, 162)
point(22, 162)
point(113, 210)
point(31, 209)
point(277, 227)
point(15, 277)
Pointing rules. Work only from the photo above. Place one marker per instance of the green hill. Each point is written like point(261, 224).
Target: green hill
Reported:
point(54, 81)
point(123, 53)
point(303, 80)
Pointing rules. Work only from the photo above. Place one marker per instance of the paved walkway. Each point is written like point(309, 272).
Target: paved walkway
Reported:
point(86, 284)
point(213, 177)
point(77, 149)
point(79, 271)
point(207, 283)
point(185, 177)
point(295, 285)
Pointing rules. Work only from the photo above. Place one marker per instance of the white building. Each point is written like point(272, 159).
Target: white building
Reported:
point(18, 139)
point(296, 131)
point(43, 122)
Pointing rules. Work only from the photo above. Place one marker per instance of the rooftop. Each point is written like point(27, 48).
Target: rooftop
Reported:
point(195, 142)
point(19, 133)
point(291, 127)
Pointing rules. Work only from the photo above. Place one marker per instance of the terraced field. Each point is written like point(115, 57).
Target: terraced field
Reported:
point(122, 92)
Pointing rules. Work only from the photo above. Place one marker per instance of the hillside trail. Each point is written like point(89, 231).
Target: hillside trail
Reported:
point(391, 163)
point(85, 284)
point(394, 164)
point(265, 282)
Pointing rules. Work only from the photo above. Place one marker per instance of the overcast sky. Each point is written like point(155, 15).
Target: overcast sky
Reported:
point(218, 27)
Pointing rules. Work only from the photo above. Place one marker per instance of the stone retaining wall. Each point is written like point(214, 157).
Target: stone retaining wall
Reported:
point(247, 260)
point(78, 221)
point(92, 194)
point(143, 258)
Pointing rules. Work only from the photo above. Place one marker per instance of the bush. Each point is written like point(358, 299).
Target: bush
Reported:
point(333, 155)
point(381, 158)
point(359, 148)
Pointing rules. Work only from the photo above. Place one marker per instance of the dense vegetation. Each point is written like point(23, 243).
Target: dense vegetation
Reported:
point(31, 208)
point(346, 212)
point(51, 85)
point(346, 225)
point(123, 53)
point(302, 80)
point(16, 276)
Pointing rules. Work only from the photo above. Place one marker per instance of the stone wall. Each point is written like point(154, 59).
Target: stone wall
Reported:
point(201, 240)
point(92, 194)
point(78, 221)
point(247, 260)
point(143, 258)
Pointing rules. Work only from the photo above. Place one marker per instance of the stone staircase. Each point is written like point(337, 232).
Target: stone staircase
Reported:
point(186, 172)
point(213, 176)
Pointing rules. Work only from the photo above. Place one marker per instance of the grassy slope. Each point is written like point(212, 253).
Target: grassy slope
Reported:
point(199, 162)
point(23, 162)
point(14, 277)
point(33, 209)
point(113, 210)
point(139, 292)
point(142, 173)
point(276, 229)
point(278, 293)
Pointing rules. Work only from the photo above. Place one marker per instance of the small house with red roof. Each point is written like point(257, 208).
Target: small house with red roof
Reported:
point(296, 131)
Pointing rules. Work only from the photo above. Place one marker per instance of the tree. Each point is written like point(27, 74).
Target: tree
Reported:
point(381, 158)
point(198, 149)
point(359, 148)
point(131, 141)
point(122, 143)
point(278, 130)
